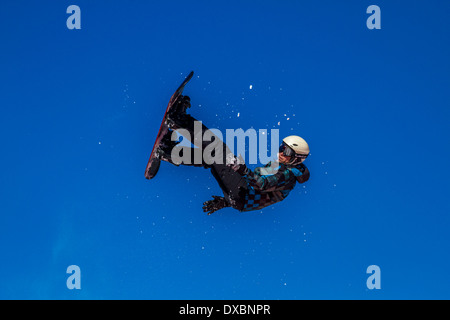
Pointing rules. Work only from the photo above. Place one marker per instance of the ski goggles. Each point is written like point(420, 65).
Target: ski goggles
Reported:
point(289, 152)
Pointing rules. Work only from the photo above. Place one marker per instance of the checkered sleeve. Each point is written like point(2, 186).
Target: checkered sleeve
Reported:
point(272, 178)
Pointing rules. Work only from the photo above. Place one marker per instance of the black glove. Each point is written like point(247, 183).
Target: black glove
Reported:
point(240, 168)
point(217, 203)
point(238, 165)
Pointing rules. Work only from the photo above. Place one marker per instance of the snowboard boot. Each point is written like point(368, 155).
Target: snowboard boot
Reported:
point(176, 117)
point(183, 103)
point(165, 148)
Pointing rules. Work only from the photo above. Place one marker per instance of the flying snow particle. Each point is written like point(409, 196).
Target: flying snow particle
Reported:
point(251, 87)
point(238, 114)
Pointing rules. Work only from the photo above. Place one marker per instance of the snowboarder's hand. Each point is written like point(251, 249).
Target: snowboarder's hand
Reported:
point(240, 168)
point(217, 203)
point(238, 165)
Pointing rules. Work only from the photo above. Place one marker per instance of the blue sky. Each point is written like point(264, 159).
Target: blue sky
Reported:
point(80, 110)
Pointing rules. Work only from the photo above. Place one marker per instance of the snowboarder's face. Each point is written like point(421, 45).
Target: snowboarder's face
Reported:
point(283, 159)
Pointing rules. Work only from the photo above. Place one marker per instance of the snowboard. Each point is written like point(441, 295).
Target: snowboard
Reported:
point(154, 162)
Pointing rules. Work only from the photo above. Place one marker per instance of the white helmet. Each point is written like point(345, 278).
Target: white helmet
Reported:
point(296, 144)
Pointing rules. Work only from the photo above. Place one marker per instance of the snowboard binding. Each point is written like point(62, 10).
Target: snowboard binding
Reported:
point(177, 113)
point(165, 147)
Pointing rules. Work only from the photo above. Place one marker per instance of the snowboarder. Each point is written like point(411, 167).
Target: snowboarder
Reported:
point(243, 189)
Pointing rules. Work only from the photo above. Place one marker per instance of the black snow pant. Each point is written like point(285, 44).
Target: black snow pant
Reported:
point(233, 184)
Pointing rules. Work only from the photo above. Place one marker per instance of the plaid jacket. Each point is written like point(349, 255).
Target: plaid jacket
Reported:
point(270, 184)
